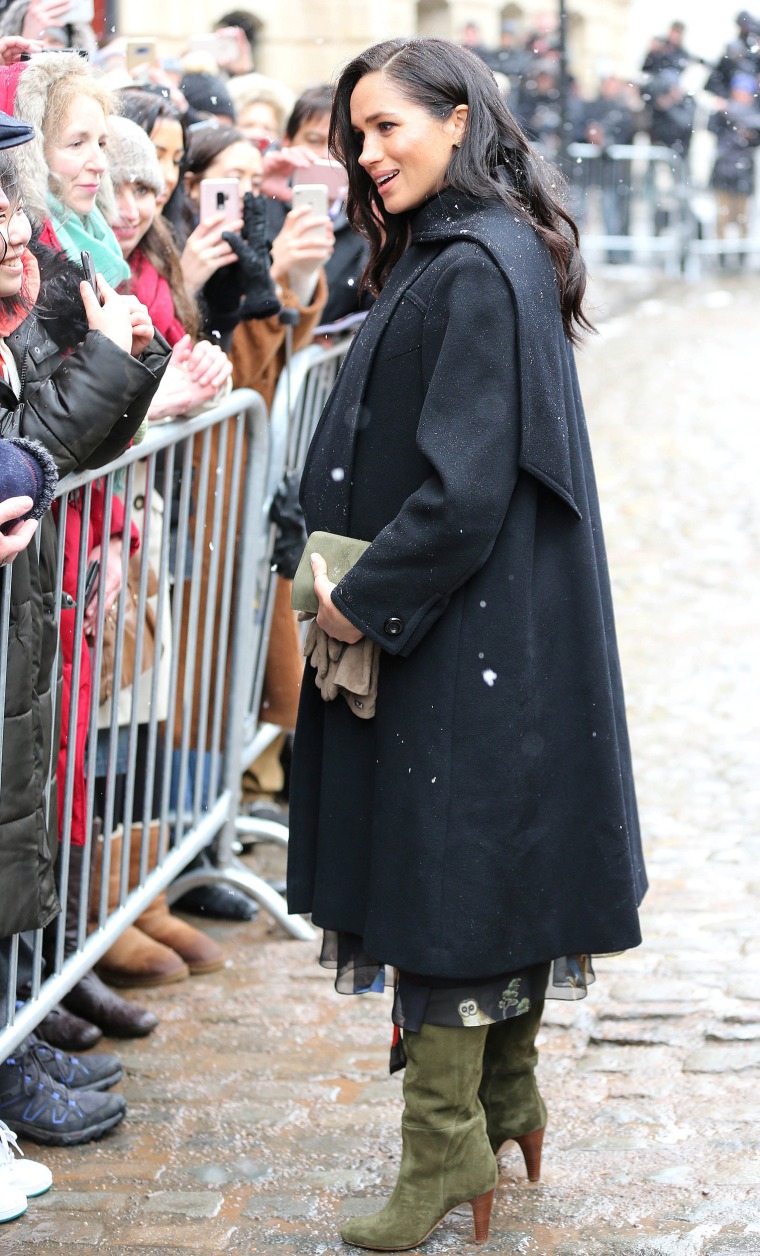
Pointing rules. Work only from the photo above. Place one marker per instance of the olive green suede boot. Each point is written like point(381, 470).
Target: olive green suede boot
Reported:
point(508, 1091)
point(446, 1158)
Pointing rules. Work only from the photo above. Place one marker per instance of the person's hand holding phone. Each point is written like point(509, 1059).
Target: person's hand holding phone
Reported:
point(42, 14)
point(305, 242)
point(12, 48)
point(206, 252)
point(113, 583)
point(279, 165)
point(19, 534)
point(142, 325)
point(121, 319)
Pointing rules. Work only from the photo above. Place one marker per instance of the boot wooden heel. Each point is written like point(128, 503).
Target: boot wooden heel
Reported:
point(481, 1215)
point(530, 1145)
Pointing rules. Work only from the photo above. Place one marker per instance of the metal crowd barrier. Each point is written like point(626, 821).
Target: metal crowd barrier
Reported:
point(298, 402)
point(638, 203)
point(167, 751)
point(631, 202)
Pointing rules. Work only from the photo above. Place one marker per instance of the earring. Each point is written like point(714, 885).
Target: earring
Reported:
point(457, 143)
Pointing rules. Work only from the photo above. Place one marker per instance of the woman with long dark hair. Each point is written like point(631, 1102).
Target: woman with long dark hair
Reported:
point(479, 833)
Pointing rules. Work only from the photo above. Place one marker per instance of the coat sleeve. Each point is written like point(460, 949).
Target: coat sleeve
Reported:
point(258, 345)
point(88, 410)
point(468, 432)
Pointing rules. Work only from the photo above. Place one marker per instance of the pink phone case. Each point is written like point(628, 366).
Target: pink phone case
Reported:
point(220, 196)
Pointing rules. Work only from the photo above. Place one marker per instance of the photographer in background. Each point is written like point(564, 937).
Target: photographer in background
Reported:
point(741, 56)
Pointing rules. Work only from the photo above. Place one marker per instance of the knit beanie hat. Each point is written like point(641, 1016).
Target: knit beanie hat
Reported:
point(207, 93)
point(131, 155)
point(27, 470)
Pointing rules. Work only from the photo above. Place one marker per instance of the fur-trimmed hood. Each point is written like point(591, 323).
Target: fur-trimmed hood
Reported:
point(33, 83)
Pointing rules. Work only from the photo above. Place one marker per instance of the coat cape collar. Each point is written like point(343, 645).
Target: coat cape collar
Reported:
point(543, 348)
point(545, 366)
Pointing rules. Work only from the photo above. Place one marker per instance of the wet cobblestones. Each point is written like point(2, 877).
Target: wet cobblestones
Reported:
point(261, 1112)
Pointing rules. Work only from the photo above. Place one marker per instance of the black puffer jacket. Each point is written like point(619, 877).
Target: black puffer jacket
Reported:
point(85, 414)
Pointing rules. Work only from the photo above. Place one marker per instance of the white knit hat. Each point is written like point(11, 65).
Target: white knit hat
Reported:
point(131, 155)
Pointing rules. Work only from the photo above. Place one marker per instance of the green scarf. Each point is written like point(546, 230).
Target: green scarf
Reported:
point(92, 233)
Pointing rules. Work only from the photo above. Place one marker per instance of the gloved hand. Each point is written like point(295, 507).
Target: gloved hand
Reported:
point(286, 512)
point(252, 249)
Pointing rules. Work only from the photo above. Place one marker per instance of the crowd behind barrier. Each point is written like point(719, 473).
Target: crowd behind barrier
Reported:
point(207, 776)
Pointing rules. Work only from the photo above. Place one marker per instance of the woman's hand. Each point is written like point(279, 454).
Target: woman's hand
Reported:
point(279, 165)
point(43, 14)
point(142, 326)
point(113, 318)
point(113, 583)
point(206, 252)
point(209, 367)
point(329, 617)
point(18, 537)
point(305, 243)
point(193, 377)
point(174, 395)
point(12, 46)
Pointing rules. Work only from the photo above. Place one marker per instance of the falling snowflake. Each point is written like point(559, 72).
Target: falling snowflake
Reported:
point(337, 474)
point(489, 677)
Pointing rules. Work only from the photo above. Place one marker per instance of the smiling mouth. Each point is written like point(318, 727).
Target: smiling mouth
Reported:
point(385, 179)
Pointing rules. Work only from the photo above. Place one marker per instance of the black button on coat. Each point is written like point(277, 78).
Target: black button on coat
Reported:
point(485, 819)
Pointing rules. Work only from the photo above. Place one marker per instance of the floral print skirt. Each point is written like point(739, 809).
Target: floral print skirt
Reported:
point(457, 1002)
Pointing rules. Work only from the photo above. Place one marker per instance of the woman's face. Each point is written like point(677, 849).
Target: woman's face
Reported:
point(16, 231)
point(240, 161)
point(136, 206)
point(169, 144)
point(258, 122)
point(78, 156)
point(404, 150)
point(314, 134)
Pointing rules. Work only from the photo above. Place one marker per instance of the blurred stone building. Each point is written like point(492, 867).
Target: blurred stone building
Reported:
point(306, 41)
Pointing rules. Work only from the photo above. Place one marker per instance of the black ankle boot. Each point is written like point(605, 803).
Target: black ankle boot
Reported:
point(220, 902)
point(90, 998)
point(68, 1032)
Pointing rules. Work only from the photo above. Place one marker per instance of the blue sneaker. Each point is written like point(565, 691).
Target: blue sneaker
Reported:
point(92, 1072)
point(38, 1107)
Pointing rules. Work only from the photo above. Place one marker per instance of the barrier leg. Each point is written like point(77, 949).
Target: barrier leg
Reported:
point(235, 873)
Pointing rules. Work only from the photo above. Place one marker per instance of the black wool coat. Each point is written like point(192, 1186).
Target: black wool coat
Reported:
point(485, 819)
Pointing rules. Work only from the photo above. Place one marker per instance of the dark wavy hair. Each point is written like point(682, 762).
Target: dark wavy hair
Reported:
point(146, 105)
point(495, 161)
point(20, 303)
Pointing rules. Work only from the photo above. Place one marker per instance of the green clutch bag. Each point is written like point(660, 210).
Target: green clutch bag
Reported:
point(339, 552)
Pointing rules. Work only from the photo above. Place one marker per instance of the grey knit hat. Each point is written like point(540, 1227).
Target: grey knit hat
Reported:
point(131, 155)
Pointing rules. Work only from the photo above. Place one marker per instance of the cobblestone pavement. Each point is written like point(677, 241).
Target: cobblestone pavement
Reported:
point(261, 1112)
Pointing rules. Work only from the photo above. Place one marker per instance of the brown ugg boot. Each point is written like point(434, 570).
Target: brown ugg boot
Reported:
point(200, 952)
point(134, 959)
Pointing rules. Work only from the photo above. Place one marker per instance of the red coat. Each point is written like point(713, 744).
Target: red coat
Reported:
point(154, 292)
point(68, 619)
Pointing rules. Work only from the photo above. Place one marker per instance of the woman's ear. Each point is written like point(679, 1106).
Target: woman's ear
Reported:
point(458, 121)
point(191, 186)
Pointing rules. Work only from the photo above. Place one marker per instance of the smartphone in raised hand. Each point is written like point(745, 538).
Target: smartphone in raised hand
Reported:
point(315, 196)
point(89, 273)
point(141, 52)
point(220, 196)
